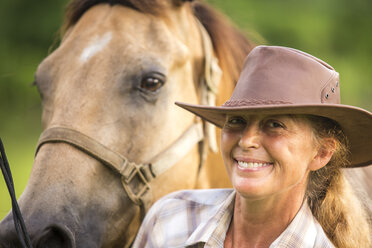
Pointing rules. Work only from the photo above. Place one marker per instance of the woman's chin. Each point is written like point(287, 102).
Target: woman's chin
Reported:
point(251, 188)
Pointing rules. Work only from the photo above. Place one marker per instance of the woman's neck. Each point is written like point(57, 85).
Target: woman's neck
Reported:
point(257, 223)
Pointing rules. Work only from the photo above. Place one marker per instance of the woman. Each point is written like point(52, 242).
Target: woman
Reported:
point(285, 137)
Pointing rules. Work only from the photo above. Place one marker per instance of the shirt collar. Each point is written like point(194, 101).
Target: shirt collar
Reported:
point(301, 232)
point(215, 228)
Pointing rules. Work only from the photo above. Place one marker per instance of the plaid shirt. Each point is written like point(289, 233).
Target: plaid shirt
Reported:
point(200, 218)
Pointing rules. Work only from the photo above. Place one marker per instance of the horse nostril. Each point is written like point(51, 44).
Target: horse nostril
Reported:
point(55, 236)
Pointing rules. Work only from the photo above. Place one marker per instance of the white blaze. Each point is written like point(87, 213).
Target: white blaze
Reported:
point(97, 45)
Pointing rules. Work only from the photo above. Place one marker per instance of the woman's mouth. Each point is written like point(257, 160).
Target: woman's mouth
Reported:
point(252, 165)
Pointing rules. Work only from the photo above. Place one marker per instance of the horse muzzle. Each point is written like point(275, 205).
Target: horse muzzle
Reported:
point(53, 236)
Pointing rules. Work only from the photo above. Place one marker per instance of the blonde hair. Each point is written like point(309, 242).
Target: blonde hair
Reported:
point(332, 201)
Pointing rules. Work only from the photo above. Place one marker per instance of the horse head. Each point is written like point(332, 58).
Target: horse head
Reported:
point(113, 140)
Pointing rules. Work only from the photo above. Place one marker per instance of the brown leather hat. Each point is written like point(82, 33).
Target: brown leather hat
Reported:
point(281, 80)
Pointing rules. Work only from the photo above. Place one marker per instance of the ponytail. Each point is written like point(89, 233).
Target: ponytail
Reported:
point(331, 199)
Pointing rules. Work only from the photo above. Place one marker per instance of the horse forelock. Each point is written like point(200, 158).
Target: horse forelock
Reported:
point(76, 8)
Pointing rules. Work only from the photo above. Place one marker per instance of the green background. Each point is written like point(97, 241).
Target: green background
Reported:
point(337, 31)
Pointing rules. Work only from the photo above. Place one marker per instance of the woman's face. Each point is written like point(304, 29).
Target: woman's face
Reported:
point(267, 155)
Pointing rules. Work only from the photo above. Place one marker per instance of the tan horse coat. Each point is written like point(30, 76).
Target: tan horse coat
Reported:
point(115, 78)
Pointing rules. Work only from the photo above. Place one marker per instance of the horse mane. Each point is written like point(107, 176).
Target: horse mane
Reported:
point(231, 46)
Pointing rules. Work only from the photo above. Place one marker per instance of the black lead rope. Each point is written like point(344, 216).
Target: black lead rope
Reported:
point(17, 216)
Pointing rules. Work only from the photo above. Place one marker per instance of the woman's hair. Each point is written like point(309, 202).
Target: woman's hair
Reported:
point(330, 196)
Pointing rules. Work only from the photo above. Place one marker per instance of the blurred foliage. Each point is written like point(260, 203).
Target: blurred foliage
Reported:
point(27, 30)
point(337, 31)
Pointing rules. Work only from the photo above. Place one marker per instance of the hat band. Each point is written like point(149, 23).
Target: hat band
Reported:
point(252, 102)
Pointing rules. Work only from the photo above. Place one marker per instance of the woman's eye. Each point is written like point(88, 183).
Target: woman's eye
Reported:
point(235, 121)
point(274, 124)
point(152, 83)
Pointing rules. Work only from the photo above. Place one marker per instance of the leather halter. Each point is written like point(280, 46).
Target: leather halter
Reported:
point(136, 178)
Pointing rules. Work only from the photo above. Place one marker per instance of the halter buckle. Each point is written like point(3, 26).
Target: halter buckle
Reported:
point(136, 182)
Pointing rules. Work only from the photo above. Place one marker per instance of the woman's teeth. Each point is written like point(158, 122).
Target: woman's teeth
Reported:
point(250, 165)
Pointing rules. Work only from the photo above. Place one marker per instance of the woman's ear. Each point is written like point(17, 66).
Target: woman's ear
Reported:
point(324, 154)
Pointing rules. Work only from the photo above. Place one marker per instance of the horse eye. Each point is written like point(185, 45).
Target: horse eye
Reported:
point(152, 83)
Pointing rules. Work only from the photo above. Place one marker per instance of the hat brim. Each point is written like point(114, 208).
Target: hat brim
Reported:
point(355, 122)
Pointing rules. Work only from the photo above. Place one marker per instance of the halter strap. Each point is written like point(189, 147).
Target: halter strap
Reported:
point(209, 84)
point(135, 177)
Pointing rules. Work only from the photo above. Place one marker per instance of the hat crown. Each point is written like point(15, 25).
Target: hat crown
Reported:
point(281, 75)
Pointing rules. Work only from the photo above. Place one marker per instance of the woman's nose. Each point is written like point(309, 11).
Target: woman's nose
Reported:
point(250, 137)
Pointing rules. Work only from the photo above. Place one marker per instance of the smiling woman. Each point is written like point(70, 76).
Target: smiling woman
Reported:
point(269, 156)
point(285, 137)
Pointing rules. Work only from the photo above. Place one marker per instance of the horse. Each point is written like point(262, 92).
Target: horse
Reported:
point(113, 142)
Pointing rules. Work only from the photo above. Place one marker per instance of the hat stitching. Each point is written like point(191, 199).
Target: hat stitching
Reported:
point(243, 102)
